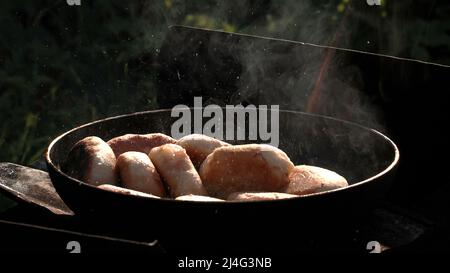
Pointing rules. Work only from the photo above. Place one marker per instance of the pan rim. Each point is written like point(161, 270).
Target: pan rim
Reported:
point(391, 166)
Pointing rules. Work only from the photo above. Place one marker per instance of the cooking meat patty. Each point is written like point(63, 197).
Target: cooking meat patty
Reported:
point(306, 179)
point(177, 170)
point(245, 168)
point(125, 191)
point(259, 196)
point(91, 160)
point(138, 143)
point(200, 198)
point(138, 173)
point(198, 147)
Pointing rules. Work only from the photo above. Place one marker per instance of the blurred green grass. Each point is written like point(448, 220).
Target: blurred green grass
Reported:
point(61, 66)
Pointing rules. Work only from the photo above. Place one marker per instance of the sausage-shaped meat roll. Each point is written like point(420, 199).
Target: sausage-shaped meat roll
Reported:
point(306, 179)
point(177, 170)
point(200, 198)
point(245, 168)
point(91, 160)
point(259, 196)
point(138, 143)
point(125, 191)
point(138, 173)
point(198, 147)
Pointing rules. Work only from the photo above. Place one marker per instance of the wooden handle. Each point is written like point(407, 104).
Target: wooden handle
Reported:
point(24, 184)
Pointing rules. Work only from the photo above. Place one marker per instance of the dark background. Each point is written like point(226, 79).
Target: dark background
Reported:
point(63, 65)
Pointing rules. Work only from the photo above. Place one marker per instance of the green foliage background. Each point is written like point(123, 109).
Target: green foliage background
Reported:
point(62, 65)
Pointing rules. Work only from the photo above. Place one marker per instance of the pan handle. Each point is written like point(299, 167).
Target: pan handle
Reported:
point(24, 184)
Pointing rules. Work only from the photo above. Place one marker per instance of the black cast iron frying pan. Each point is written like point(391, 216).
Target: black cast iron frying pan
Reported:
point(364, 156)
